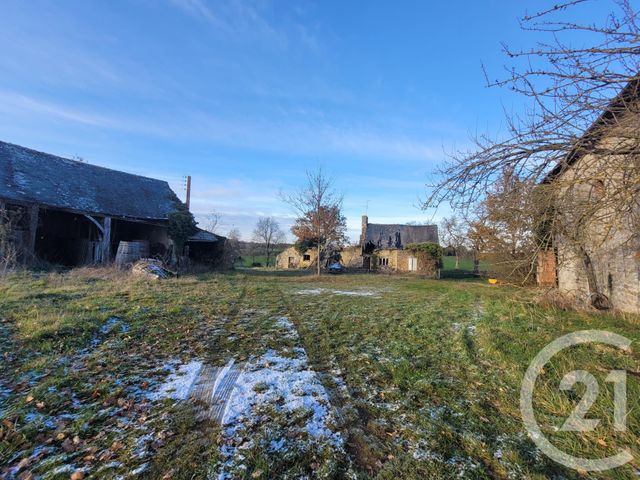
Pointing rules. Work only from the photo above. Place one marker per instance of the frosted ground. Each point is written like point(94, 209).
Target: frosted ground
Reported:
point(272, 375)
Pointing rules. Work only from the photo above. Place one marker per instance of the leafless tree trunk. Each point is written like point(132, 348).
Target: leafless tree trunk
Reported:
point(268, 233)
point(318, 207)
point(212, 221)
point(454, 235)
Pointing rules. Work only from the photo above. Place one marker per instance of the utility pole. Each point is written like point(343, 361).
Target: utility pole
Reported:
point(188, 202)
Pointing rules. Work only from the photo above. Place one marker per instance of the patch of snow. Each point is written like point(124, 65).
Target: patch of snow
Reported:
point(179, 383)
point(288, 384)
point(283, 384)
point(107, 328)
point(310, 291)
point(357, 293)
point(286, 324)
point(109, 325)
point(345, 293)
point(141, 469)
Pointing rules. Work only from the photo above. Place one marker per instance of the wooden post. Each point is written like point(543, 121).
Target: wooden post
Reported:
point(34, 213)
point(188, 202)
point(106, 240)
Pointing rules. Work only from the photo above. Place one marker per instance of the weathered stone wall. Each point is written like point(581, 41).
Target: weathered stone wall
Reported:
point(398, 261)
point(609, 238)
point(617, 273)
point(351, 257)
point(298, 260)
point(425, 264)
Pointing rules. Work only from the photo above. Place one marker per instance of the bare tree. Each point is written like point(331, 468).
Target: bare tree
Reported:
point(319, 210)
point(212, 221)
point(454, 235)
point(269, 234)
point(569, 90)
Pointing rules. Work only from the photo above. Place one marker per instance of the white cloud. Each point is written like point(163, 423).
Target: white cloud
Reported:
point(289, 136)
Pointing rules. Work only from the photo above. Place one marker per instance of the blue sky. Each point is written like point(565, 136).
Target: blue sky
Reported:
point(246, 95)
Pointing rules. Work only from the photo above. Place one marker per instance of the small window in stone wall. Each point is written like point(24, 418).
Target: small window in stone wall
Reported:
point(383, 261)
point(306, 257)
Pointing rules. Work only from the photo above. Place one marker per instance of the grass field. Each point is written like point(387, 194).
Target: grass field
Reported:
point(466, 264)
point(422, 377)
point(248, 260)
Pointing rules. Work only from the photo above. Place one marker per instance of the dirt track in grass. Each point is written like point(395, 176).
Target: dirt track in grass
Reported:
point(368, 377)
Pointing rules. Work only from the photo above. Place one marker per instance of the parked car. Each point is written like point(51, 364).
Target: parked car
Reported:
point(336, 268)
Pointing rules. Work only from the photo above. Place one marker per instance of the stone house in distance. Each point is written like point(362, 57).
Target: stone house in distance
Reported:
point(291, 258)
point(609, 251)
point(386, 247)
point(382, 248)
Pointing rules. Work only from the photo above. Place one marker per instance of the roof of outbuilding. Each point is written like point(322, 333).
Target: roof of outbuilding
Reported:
point(203, 236)
point(399, 236)
point(618, 106)
point(30, 176)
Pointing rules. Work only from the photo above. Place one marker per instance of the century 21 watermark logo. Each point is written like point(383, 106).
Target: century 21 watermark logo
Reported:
point(576, 422)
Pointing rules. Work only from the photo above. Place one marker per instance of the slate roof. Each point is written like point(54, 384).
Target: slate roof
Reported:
point(398, 236)
point(616, 108)
point(28, 176)
point(203, 236)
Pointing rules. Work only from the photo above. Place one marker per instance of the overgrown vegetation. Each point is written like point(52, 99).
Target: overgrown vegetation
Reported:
point(424, 375)
point(181, 225)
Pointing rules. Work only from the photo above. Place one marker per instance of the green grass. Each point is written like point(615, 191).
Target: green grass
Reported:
point(248, 260)
point(425, 376)
point(449, 263)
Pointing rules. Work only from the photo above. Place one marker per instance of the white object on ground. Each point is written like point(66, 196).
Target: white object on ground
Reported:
point(178, 385)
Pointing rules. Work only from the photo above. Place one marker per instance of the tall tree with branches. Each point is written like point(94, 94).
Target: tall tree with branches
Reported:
point(568, 88)
point(454, 235)
point(269, 234)
point(319, 214)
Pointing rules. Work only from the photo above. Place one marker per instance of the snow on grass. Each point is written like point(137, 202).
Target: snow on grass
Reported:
point(179, 383)
point(277, 386)
point(285, 383)
point(344, 293)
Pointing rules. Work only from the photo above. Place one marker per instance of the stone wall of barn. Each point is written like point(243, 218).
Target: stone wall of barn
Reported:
point(611, 242)
point(292, 259)
point(617, 270)
point(395, 260)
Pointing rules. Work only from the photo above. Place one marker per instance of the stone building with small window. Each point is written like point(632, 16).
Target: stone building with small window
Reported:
point(605, 164)
point(388, 248)
point(291, 258)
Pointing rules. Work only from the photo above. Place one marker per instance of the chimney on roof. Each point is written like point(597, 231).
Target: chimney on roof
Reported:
point(363, 234)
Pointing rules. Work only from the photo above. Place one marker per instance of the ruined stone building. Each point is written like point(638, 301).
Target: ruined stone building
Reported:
point(596, 192)
point(386, 247)
point(72, 213)
point(382, 247)
point(291, 258)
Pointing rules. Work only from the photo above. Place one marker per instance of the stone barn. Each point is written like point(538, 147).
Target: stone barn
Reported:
point(610, 248)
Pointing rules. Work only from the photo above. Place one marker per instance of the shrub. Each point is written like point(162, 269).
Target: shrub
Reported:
point(432, 249)
point(181, 225)
point(302, 246)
